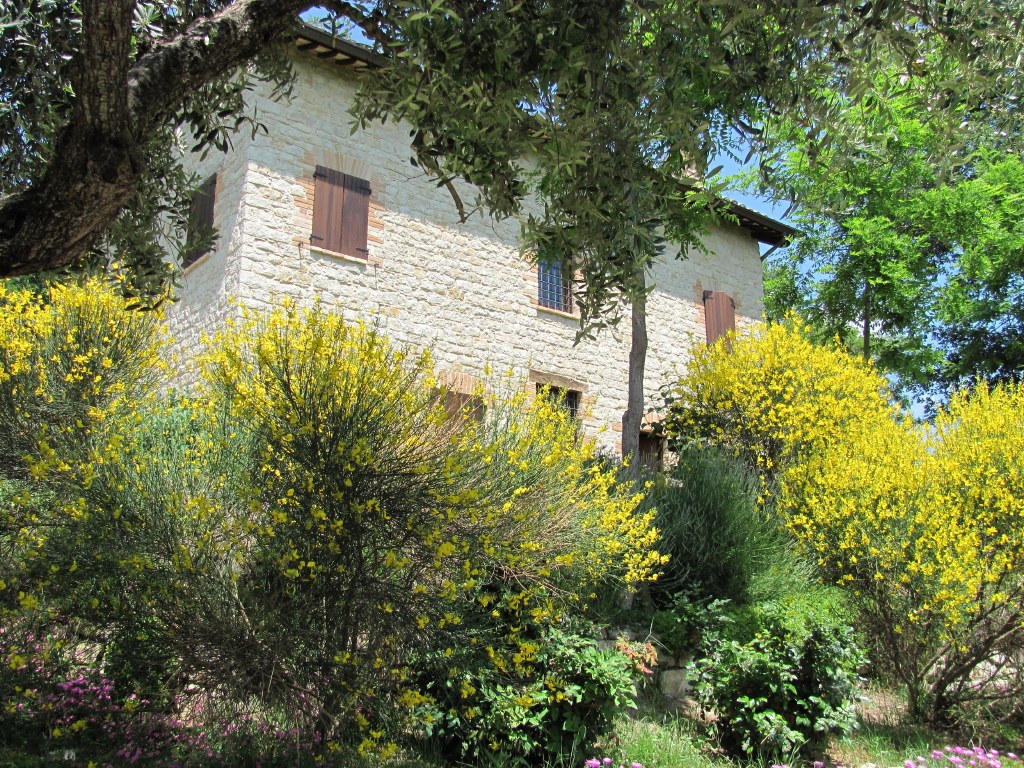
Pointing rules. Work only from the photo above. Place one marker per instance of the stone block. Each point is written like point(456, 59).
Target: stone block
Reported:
point(674, 683)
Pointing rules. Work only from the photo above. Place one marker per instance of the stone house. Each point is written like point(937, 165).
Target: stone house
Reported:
point(310, 210)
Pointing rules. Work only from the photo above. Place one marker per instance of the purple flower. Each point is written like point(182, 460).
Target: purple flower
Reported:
point(593, 763)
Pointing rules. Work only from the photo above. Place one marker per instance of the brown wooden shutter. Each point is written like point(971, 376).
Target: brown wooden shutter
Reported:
point(341, 212)
point(719, 316)
point(328, 195)
point(355, 218)
point(200, 221)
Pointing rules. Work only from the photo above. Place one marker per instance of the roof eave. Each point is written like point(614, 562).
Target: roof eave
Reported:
point(346, 53)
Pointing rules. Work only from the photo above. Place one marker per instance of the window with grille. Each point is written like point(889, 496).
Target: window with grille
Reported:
point(552, 289)
point(570, 399)
point(200, 234)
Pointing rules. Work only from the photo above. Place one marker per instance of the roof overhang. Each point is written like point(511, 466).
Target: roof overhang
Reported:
point(329, 47)
point(763, 228)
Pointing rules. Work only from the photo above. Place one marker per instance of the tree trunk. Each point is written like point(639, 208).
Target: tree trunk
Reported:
point(634, 414)
point(97, 159)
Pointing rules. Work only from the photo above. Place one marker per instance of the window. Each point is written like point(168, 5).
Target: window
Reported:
point(199, 235)
point(552, 290)
point(719, 316)
point(462, 404)
point(651, 451)
point(570, 399)
point(341, 213)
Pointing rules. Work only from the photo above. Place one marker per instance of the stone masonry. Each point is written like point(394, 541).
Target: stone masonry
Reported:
point(462, 290)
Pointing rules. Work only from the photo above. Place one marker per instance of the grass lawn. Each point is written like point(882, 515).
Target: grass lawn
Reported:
point(660, 739)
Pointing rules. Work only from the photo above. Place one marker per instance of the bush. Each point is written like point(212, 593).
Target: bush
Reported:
point(781, 676)
point(540, 694)
point(721, 542)
point(922, 525)
point(773, 398)
point(294, 534)
point(66, 364)
point(925, 528)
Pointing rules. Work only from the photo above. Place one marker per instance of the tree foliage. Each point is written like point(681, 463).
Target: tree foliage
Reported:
point(592, 110)
point(910, 262)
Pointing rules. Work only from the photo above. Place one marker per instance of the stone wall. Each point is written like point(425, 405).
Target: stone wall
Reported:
point(461, 289)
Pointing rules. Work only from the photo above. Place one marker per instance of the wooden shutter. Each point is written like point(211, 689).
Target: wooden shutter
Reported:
point(200, 221)
point(328, 195)
point(341, 212)
point(355, 218)
point(719, 316)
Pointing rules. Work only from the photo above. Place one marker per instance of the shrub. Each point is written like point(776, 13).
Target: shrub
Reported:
point(65, 364)
point(781, 676)
point(298, 529)
point(773, 398)
point(539, 694)
point(722, 544)
point(925, 528)
point(922, 525)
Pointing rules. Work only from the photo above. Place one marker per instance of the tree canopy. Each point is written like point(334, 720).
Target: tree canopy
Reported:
point(612, 103)
point(913, 263)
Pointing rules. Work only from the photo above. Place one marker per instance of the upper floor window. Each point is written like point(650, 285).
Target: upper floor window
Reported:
point(553, 291)
point(199, 235)
point(341, 213)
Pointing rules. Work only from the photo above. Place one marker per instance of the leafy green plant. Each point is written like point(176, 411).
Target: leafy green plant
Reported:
point(723, 543)
point(781, 676)
point(683, 628)
point(545, 693)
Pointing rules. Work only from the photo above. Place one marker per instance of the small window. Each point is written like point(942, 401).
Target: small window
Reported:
point(200, 233)
point(552, 290)
point(341, 213)
point(462, 404)
point(570, 399)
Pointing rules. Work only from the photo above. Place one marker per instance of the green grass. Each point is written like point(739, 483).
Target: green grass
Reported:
point(671, 744)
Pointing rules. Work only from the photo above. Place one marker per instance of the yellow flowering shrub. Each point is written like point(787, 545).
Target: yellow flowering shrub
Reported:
point(774, 397)
point(922, 524)
point(66, 360)
point(69, 366)
point(296, 529)
point(925, 525)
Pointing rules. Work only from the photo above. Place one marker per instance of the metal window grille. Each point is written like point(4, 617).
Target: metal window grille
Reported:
point(552, 290)
point(570, 399)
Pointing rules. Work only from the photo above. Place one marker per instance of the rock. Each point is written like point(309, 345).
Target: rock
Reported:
point(664, 660)
point(674, 683)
